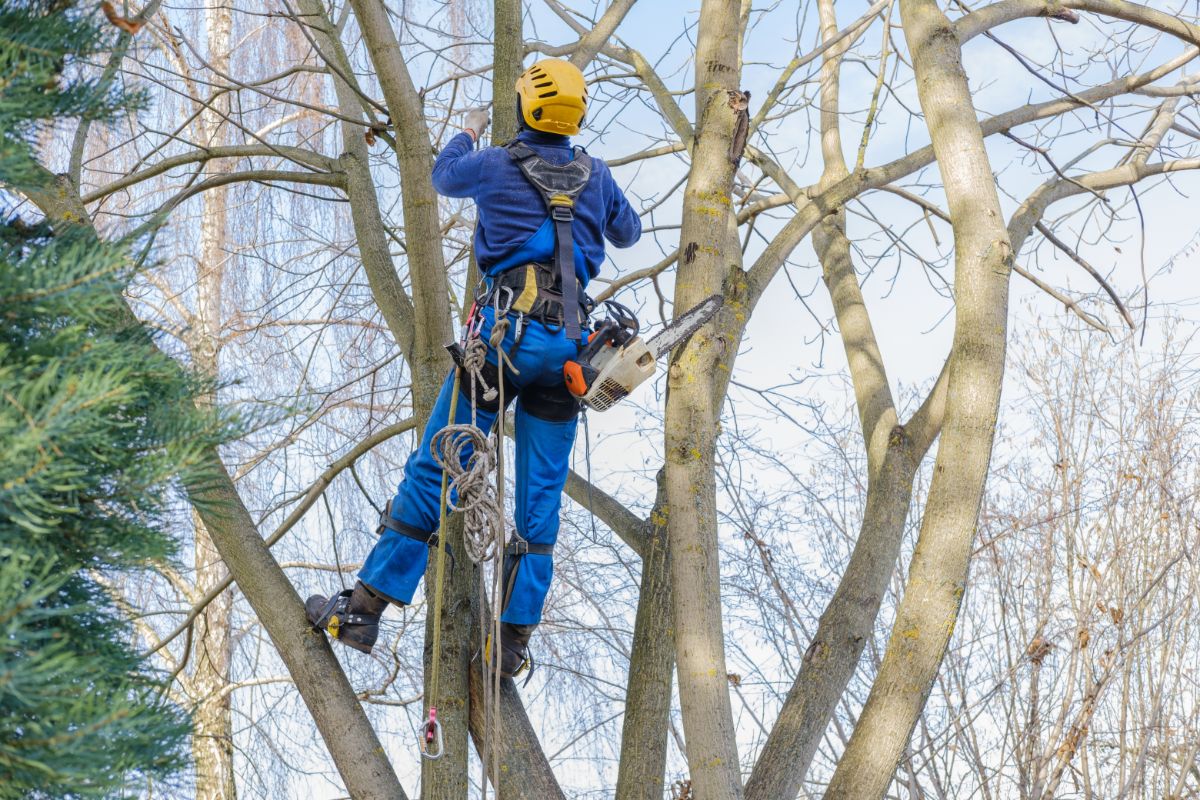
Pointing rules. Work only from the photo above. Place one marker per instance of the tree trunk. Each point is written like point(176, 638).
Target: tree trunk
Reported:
point(507, 51)
point(212, 721)
point(525, 773)
point(353, 745)
point(983, 261)
point(642, 767)
point(212, 737)
point(422, 227)
point(709, 252)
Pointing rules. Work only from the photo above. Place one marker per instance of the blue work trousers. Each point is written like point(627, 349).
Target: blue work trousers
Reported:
point(546, 416)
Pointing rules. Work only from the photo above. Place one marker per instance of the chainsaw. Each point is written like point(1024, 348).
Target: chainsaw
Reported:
point(615, 361)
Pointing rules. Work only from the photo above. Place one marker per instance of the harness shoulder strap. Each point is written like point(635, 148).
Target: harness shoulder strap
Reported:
point(559, 185)
point(519, 150)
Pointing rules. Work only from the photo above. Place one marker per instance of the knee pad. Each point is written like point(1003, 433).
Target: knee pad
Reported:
point(550, 403)
point(491, 377)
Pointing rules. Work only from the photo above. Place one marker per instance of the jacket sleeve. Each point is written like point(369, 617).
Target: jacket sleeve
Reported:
point(622, 225)
point(458, 167)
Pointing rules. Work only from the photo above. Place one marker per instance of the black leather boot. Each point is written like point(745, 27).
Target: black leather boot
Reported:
point(351, 617)
point(514, 649)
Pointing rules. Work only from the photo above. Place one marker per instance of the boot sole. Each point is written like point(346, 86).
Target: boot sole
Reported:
point(361, 647)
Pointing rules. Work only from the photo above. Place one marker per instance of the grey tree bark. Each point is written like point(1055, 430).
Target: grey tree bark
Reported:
point(709, 253)
point(641, 772)
point(212, 736)
point(983, 262)
point(508, 47)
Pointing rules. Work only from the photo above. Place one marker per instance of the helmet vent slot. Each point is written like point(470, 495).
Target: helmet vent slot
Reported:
point(551, 93)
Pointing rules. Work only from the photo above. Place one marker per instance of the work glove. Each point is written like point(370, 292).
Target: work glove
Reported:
point(476, 121)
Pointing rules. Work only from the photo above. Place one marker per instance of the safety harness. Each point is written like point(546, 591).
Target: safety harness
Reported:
point(559, 185)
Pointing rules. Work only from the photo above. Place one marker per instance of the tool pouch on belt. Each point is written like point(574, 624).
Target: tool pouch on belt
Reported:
point(559, 185)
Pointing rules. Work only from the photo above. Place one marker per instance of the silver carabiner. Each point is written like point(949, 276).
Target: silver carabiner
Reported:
point(429, 735)
point(502, 312)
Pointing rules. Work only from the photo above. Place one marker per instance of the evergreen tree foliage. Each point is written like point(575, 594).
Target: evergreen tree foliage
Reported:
point(97, 426)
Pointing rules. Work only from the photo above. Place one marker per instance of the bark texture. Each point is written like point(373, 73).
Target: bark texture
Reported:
point(641, 772)
point(983, 261)
point(212, 735)
point(709, 252)
point(525, 773)
point(422, 228)
point(507, 50)
point(352, 743)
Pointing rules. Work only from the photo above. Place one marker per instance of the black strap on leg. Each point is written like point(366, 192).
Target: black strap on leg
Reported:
point(519, 547)
point(429, 538)
point(516, 549)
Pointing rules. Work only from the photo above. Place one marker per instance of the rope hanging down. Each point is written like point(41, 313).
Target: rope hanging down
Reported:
point(468, 458)
point(471, 481)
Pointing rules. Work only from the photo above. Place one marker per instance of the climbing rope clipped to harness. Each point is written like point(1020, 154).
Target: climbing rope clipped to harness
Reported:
point(468, 457)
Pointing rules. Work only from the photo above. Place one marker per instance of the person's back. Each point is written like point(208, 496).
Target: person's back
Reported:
point(512, 214)
point(545, 210)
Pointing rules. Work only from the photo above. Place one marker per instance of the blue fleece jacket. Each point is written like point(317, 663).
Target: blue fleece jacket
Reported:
point(514, 226)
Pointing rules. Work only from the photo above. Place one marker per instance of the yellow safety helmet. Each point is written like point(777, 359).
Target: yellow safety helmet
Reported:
point(553, 97)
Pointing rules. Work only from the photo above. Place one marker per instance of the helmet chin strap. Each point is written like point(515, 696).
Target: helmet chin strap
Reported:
point(522, 125)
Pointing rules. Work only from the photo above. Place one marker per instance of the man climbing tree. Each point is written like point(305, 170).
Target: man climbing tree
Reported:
point(545, 209)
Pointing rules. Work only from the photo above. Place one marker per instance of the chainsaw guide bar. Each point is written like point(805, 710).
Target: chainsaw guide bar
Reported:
point(680, 329)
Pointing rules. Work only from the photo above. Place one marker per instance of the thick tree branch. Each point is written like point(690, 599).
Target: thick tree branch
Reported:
point(297, 155)
point(632, 529)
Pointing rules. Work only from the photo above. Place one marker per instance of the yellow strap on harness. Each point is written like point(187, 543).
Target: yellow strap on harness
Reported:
point(528, 295)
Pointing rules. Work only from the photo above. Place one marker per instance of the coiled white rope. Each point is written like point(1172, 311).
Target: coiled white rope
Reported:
point(472, 489)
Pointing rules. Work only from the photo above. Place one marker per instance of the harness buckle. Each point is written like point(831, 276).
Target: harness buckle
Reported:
point(562, 213)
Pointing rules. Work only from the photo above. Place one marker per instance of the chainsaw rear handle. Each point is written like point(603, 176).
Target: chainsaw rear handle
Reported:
point(579, 373)
point(606, 333)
